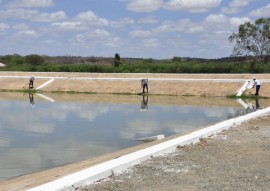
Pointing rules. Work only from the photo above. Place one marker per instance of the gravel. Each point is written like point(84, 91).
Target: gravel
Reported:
point(236, 159)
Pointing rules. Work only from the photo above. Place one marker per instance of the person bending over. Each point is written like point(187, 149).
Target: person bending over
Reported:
point(144, 83)
point(257, 84)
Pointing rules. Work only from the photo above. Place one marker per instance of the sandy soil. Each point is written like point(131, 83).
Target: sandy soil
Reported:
point(236, 159)
point(164, 84)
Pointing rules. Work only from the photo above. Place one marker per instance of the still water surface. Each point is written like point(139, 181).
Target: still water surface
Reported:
point(41, 131)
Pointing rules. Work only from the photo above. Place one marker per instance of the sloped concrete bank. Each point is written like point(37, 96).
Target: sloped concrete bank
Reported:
point(235, 159)
point(103, 170)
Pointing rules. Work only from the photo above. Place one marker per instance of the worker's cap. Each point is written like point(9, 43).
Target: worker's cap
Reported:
point(254, 78)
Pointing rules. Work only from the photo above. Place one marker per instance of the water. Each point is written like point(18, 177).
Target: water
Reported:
point(41, 131)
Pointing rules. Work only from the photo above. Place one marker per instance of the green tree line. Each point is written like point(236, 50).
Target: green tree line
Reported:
point(36, 63)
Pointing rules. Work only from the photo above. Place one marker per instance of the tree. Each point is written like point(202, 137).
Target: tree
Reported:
point(253, 39)
point(34, 59)
point(117, 60)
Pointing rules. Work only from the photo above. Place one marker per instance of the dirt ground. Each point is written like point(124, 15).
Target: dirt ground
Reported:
point(159, 84)
point(236, 159)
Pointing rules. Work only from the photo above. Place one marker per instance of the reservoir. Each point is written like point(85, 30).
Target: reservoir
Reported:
point(42, 131)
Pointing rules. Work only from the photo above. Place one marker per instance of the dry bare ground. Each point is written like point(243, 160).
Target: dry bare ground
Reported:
point(164, 84)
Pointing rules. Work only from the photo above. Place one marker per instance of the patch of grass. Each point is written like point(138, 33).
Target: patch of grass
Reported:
point(23, 90)
point(127, 93)
point(251, 96)
point(188, 95)
point(72, 92)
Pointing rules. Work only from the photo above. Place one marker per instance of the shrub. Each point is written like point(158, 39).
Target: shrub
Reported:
point(34, 59)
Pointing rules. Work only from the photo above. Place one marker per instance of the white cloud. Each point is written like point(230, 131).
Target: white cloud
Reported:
point(100, 33)
point(91, 35)
point(236, 6)
point(240, 3)
point(189, 5)
point(123, 22)
point(86, 16)
point(115, 42)
point(4, 26)
point(50, 17)
point(91, 18)
point(30, 4)
point(172, 27)
point(148, 20)
point(21, 26)
point(51, 42)
point(192, 5)
point(144, 5)
point(69, 26)
point(33, 15)
point(140, 33)
point(236, 21)
point(125, 27)
point(31, 33)
point(220, 18)
point(82, 21)
point(262, 12)
point(196, 29)
point(230, 10)
point(152, 42)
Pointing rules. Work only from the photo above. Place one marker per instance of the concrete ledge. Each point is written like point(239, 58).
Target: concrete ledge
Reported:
point(103, 170)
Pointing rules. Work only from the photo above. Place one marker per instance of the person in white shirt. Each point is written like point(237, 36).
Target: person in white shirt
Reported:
point(257, 84)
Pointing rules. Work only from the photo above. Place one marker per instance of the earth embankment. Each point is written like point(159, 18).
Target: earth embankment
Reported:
point(159, 84)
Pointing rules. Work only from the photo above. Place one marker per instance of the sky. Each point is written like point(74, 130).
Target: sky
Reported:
point(158, 29)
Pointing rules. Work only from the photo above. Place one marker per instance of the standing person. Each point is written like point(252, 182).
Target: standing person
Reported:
point(31, 82)
point(257, 84)
point(144, 83)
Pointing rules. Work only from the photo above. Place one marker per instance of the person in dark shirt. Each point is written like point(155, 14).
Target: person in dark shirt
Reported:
point(31, 82)
point(144, 83)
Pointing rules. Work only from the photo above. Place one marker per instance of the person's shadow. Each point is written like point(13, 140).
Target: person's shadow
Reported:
point(144, 103)
point(31, 99)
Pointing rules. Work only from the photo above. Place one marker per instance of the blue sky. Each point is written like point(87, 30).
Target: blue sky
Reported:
point(133, 28)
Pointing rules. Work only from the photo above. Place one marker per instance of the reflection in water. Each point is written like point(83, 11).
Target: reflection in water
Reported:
point(31, 99)
point(70, 128)
point(257, 103)
point(45, 97)
point(248, 107)
point(144, 103)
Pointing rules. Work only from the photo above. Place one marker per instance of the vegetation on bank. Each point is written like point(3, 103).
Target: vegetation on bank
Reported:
point(37, 63)
point(246, 97)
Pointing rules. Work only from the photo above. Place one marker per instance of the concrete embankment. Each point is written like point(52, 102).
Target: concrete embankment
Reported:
point(164, 84)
